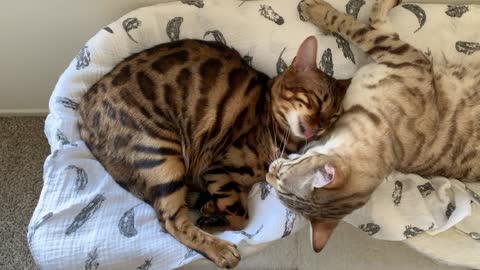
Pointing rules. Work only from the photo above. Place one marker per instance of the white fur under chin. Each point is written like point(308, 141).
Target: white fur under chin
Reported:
point(292, 119)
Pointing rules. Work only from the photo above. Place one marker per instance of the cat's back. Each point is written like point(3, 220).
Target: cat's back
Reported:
point(187, 93)
point(166, 65)
point(430, 114)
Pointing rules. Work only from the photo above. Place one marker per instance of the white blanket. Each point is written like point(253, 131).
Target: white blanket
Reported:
point(84, 220)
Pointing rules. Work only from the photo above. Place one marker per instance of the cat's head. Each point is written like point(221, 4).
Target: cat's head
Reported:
point(305, 100)
point(321, 188)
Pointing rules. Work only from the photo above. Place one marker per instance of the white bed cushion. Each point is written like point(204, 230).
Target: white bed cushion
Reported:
point(83, 218)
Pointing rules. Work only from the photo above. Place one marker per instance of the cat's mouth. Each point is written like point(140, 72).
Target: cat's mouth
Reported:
point(309, 133)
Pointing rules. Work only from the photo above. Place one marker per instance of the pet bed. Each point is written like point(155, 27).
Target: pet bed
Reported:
point(84, 220)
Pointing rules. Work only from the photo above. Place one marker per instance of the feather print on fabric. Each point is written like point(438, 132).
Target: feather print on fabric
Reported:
point(326, 63)
point(108, 29)
point(81, 177)
point(130, 24)
point(196, 3)
point(418, 12)
point(268, 13)
point(450, 208)
point(353, 7)
point(85, 214)
point(146, 265)
point(370, 228)
point(265, 190)
point(173, 28)
point(37, 225)
point(83, 58)
point(126, 224)
point(456, 11)
point(248, 59)
point(411, 231)
point(289, 222)
point(345, 47)
point(62, 137)
point(67, 103)
point(91, 263)
point(466, 47)
point(474, 195)
point(217, 36)
point(397, 193)
point(250, 235)
point(425, 189)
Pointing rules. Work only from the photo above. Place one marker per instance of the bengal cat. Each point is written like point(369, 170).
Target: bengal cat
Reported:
point(193, 115)
point(402, 112)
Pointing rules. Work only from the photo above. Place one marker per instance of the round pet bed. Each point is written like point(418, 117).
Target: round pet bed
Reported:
point(84, 220)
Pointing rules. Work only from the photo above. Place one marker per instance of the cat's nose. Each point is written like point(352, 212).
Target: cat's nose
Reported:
point(271, 178)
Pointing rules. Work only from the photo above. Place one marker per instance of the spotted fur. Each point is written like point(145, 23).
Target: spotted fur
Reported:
point(192, 115)
point(402, 112)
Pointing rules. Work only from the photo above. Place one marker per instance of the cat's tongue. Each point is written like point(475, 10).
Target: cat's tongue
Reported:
point(308, 133)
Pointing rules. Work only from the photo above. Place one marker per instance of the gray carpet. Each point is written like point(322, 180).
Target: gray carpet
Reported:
point(23, 148)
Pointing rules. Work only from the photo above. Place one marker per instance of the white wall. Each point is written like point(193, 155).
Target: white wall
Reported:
point(39, 38)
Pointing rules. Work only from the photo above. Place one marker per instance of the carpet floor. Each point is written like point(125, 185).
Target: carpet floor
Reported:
point(23, 148)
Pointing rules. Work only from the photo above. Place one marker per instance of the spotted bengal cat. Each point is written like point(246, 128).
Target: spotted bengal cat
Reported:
point(402, 112)
point(192, 115)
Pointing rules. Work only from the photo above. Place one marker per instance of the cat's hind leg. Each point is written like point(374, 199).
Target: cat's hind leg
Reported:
point(162, 171)
point(379, 12)
point(383, 46)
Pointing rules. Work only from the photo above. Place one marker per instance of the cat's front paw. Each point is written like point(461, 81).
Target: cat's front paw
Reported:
point(224, 254)
point(315, 11)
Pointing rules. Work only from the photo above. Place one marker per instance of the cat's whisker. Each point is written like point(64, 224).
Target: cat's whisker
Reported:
point(285, 142)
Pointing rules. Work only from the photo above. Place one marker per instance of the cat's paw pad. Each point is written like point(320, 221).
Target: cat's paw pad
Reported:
point(224, 255)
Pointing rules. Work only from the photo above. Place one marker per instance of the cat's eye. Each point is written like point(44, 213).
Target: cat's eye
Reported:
point(325, 97)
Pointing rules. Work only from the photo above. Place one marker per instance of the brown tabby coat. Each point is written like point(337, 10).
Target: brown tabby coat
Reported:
point(192, 115)
point(402, 113)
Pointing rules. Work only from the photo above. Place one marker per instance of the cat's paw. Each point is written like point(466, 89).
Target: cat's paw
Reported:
point(209, 208)
point(224, 254)
point(314, 11)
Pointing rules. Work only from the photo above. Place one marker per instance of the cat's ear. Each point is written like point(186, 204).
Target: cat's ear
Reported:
point(328, 176)
point(320, 232)
point(306, 58)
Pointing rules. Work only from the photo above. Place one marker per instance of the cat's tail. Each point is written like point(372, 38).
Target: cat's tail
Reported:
point(383, 46)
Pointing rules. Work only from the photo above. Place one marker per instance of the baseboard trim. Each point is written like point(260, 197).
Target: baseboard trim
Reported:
point(23, 112)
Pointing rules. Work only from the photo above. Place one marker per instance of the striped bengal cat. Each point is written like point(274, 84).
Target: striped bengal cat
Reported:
point(402, 112)
point(192, 115)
